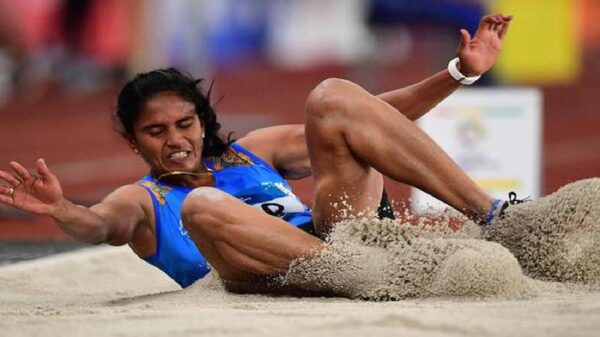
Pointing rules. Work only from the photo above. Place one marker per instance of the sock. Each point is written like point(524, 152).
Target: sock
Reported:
point(487, 221)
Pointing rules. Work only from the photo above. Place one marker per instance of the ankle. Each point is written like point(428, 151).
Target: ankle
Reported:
point(491, 213)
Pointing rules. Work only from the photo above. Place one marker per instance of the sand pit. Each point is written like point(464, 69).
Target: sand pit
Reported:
point(556, 237)
point(110, 292)
point(444, 284)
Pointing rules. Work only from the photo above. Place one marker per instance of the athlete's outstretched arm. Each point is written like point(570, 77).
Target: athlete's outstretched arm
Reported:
point(284, 146)
point(111, 221)
point(477, 55)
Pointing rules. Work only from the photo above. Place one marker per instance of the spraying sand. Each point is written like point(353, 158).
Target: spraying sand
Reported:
point(449, 283)
point(554, 238)
point(384, 260)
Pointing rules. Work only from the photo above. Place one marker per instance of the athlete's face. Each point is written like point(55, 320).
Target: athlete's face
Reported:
point(168, 134)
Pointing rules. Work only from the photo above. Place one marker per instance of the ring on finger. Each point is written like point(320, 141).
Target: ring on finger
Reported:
point(11, 191)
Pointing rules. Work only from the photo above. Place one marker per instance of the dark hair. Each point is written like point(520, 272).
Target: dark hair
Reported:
point(145, 86)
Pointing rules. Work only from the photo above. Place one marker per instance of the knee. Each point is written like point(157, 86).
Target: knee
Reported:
point(331, 96)
point(201, 208)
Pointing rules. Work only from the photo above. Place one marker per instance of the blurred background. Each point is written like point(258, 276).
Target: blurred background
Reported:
point(62, 63)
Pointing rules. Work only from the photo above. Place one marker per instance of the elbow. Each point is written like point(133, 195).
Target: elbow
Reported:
point(97, 237)
point(115, 237)
point(93, 235)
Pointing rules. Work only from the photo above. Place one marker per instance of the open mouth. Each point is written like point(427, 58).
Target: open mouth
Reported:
point(178, 155)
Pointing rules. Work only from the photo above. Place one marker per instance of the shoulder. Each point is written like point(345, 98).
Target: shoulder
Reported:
point(131, 208)
point(266, 142)
point(132, 198)
point(129, 193)
point(283, 146)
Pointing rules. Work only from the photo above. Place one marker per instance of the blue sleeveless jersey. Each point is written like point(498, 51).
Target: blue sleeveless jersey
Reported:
point(237, 172)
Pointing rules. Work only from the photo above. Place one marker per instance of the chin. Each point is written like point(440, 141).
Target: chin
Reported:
point(185, 166)
point(188, 168)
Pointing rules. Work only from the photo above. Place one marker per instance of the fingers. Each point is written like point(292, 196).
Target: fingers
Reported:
point(486, 22)
point(496, 18)
point(7, 195)
point(24, 176)
point(10, 179)
point(504, 28)
point(6, 199)
point(43, 170)
point(495, 22)
point(465, 37)
point(6, 190)
point(21, 172)
point(498, 21)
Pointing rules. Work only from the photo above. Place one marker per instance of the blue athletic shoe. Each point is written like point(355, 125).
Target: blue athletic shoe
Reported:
point(555, 237)
point(499, 207)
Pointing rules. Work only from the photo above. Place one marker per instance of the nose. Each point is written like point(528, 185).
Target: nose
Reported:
point(174, 138)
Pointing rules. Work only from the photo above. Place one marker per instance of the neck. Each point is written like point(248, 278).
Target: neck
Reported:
point(187, 178)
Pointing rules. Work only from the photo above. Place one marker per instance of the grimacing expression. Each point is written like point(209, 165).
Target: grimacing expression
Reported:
point(169, 135)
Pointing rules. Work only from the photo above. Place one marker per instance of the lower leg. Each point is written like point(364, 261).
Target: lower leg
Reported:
point(383, 138)
point(239, 241)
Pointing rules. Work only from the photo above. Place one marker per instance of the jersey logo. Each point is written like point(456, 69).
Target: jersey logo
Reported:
point(231, 158)
point(272, 198)
point(159, 192)
point(273, 209)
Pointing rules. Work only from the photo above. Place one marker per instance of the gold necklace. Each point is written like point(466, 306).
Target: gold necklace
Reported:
point(184, 173)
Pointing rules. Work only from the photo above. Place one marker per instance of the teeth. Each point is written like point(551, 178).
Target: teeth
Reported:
point(178, 155)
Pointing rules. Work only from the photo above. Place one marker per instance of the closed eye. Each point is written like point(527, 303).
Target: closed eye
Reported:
point(155, 132)
point(186, 122)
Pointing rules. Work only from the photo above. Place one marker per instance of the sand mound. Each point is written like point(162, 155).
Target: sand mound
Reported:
point(556, 237)
point(388, 260)
point(553, 239)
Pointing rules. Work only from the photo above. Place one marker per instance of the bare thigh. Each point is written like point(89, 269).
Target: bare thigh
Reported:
point(241, 242)
point(346, 185)
point(353, 135)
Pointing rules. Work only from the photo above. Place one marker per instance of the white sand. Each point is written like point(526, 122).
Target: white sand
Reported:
point(445, 285)
point(556, 237)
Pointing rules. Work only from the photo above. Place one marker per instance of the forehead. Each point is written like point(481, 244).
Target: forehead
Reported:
point(167, 103)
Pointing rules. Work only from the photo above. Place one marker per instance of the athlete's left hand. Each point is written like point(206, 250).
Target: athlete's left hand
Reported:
point(478, 54)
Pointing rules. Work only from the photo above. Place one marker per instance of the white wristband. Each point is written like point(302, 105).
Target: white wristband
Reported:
point(457, 75)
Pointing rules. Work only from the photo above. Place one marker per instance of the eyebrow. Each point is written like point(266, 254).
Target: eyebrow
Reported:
point(152, 126)
point(157, 125)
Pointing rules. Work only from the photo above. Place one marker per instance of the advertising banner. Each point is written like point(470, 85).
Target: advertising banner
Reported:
point(494, 135)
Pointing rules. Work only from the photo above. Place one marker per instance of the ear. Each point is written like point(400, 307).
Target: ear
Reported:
point(132, 144)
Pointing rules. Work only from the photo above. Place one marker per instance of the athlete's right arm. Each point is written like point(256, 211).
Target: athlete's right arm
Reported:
point(477, 55)
point(113, 220)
